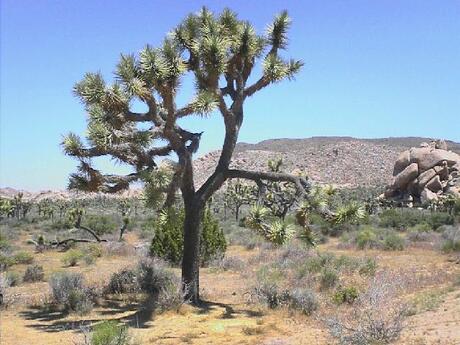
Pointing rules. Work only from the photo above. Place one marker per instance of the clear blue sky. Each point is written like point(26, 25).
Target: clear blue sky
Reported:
point(372, 69)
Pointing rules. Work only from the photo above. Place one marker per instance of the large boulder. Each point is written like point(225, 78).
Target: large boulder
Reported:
point(406, 176)
point(434, 184)
point(402, 162)
point(425, 174)
point(427, 157)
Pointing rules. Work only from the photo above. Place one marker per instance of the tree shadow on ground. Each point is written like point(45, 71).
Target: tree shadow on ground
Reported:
point(206, 307)
point(53, 320)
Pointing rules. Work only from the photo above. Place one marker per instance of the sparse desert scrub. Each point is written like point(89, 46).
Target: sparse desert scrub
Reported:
point(34, 273)
point(376, 316)
point(23, 257)
point(451, 239)
point(69, 291)
point(226, 263)
point(368, 237)
point(72, 257)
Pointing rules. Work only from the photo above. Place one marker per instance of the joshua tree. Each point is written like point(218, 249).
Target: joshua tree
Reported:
point(219, 53)
point(279, 197)
point(6, 208)
point(238, 194)
point(124, 207)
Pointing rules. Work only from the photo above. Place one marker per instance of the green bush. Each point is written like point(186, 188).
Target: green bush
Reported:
point(13, 278)
point(110, 333)
point(366, 238)
point(168, 241)
point(6, 261)
point(4, 244)
point(437, 219)
point(101, 224)
point(72, 257)
point(23, 257)
point(345, 295)
point(124, 281)
point(34, 273)
point(400, 219)
point(449, 246)
point(328, 278)
point(421, 227)
point(393, 241)
point(404, 218)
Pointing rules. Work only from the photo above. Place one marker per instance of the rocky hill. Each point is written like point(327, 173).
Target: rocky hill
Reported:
point(343, 161)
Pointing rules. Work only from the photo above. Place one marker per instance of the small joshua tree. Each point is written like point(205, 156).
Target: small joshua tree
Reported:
point(279, 197)
point(220, 52)
point(238, 194)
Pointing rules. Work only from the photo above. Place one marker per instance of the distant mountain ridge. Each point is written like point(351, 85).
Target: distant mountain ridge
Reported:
point(344, 161)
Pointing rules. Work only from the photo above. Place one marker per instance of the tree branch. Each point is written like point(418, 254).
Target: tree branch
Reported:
point(301, 183)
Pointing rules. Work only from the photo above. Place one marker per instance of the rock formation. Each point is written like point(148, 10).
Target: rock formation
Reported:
point(425, 174)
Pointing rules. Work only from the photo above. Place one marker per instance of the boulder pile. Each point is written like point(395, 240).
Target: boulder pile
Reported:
point(425, 174)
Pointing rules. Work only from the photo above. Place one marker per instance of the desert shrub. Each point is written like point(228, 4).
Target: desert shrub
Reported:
point(124, 281)
point(101, 224)
point(13, 279)
point(110, 333)
point(62, 283)
point(69, 291)
point(345, 295)
point(271, 295)
point(376, 316)
point(6, 261)
point(72, 257)
point(167, 242)
point(392, 241)
point(23, 257)
point(303, 300)
point(451, 239)
point(170, 298)
point(328, 278)
point(437, 219)
point(4, 244)
point(400, 219)
point(91, 252)
point(151, 275)
point(421, 227)
point(79, 301)
point(94, 250)
point(34, 273)
point(368, 267)
point(154, 275)
point(366, 238)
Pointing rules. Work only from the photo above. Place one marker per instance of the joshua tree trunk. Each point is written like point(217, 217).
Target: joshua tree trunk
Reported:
point(191, 258)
